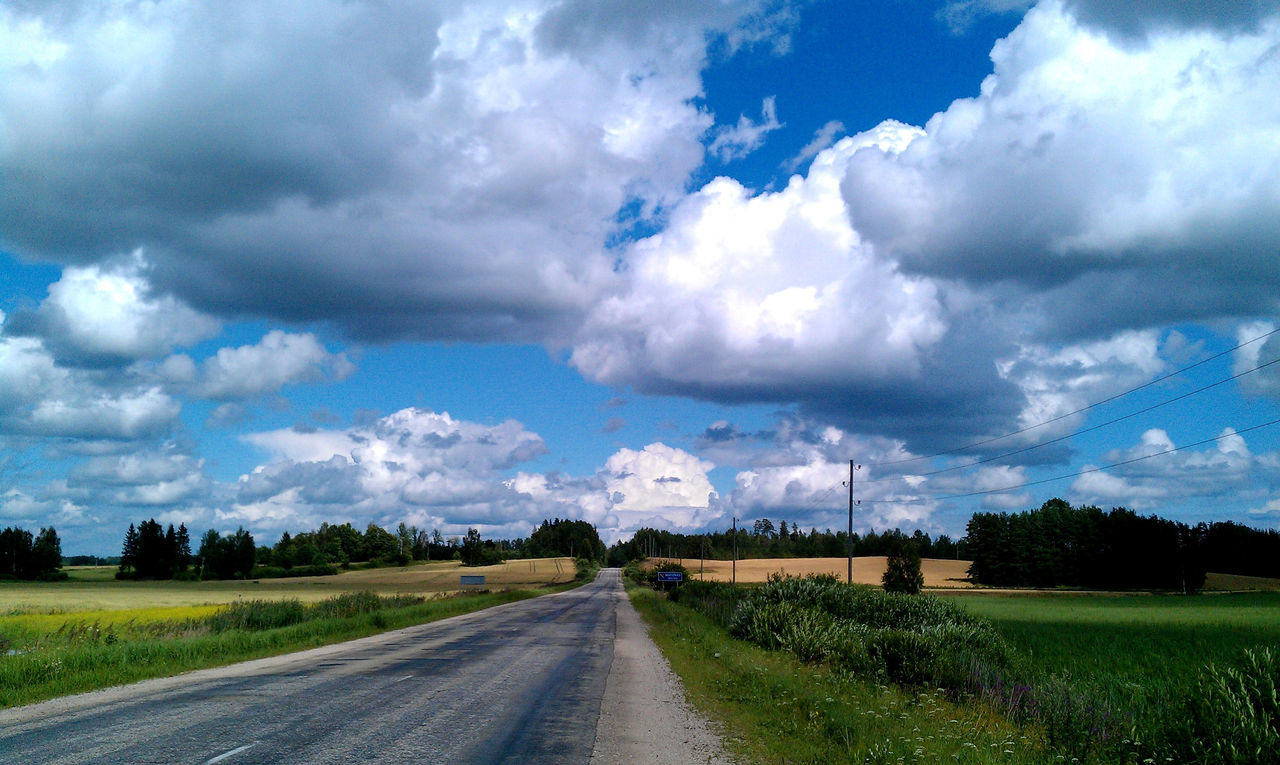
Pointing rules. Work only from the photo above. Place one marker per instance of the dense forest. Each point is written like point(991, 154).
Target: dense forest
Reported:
point(1059, 545)
point(24, 555)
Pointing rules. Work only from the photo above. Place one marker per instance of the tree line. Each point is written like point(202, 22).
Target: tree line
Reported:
point(1059, 545)
point(24, 555)
point(150, 551)
point(762, 539)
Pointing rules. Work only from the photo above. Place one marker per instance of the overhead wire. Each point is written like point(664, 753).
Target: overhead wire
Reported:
point(1086, 471)
point(1082, 431)
point(1087, 407)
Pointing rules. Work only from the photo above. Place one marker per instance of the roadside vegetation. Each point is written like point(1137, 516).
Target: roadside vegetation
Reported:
point(94, 631)
point(777, 708)
point(1101, 690)
point(48, 657)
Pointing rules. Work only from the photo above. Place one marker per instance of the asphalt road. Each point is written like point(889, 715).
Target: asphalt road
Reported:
point(520, 683)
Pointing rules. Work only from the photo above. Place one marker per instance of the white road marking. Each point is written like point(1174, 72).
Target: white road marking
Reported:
point(401, 679)
point(231, 753)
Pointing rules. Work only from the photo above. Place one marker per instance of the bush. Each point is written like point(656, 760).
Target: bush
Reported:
point(651, 575)
point(902, 573)
point(910, 640)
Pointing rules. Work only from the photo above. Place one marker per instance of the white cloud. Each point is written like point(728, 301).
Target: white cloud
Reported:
point(658, 486)
point(1134, 178)
point(131, 415)
point(109, 313)
point(155, 479)
point(737, 141)
point(22, 509)
point(754, 293)
point(411, 464)
point(823, 137)
point(1157, 473)
point(27, 372)
point(457, 165)
point(1060, 380)
point(279, 359)
point(959, 15)
point(1265, 381)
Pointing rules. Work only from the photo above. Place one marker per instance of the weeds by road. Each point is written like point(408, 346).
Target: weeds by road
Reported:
point(921, 652)
point(778, 709)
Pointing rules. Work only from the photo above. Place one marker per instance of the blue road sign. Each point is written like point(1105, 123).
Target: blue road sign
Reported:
point(670, 576)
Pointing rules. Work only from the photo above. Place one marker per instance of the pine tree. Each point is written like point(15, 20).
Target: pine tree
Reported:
point(129, 551)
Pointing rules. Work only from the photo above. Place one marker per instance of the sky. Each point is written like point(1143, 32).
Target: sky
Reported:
point(665, 264)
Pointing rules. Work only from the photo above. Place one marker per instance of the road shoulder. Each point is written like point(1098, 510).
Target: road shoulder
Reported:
point(644, 716)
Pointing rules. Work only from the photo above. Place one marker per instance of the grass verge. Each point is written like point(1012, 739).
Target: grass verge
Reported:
point(776, 709)
point(83, 656)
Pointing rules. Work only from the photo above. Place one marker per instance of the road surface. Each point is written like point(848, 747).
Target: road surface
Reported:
point(519, 683)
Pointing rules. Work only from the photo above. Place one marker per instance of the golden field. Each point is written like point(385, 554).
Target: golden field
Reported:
point(938, 574)
point(94, 590)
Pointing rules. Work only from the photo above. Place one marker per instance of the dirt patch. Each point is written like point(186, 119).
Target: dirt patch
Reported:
point(938, 573)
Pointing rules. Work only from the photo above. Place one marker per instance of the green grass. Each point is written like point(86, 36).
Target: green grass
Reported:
point(776, 709)
point(1133, 638)
point(1150, 669)
point(71, 655)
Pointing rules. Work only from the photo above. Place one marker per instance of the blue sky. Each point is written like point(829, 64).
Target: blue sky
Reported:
point(648, 265)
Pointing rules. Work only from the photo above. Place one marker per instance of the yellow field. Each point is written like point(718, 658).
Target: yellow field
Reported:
point(91, 590)
point(938, 574)
point(1238, 583)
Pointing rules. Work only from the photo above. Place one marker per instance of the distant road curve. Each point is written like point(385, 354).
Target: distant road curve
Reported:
point(520, 683)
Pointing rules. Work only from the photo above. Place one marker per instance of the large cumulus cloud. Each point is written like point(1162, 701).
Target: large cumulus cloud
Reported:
point(1006, 263)
point(458, 166)
point(1138, 178)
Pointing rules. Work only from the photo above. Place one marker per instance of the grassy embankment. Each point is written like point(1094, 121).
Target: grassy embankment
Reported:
point(1105, 679)
point(1145, 660)
point(776, 709)
point(93, 632)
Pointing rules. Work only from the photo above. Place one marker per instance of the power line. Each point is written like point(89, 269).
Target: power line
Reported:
point(1082, 431)
point(1085, 408)
point(1072, 475)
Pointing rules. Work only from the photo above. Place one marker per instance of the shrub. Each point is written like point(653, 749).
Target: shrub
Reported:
point(651, 575)
point(910, 640)
point(902, 573)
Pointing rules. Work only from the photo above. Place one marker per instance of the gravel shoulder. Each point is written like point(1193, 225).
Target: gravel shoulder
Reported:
point(644, 716)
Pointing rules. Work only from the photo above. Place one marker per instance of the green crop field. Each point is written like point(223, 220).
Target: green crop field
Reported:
point(1131, 638)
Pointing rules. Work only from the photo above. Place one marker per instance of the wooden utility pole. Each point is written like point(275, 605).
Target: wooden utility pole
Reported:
point(735, 550)
point(850, 539)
